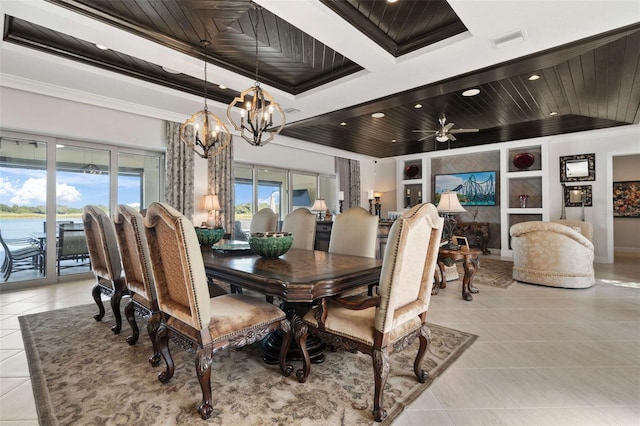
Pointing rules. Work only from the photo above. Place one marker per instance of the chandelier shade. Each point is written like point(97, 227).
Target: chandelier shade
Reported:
point(261, 117)
point(204, 132)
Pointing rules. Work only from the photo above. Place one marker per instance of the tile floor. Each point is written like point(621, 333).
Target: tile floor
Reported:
point(544, 356)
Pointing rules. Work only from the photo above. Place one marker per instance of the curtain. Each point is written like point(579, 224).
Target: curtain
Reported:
point(354, 183)
point(178, 189)
point(349, 174)
point(221, 179)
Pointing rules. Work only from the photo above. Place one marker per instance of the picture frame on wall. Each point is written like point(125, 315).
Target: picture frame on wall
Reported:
point(474, 189)
point(578, 195)
point(578, 168)
point(626, 199)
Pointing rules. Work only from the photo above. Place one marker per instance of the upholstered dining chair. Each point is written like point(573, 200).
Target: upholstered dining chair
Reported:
point(265, 220)
point(354, 232)
point(134, 252)
point(200, 323)
point(389, 322)
point(302, 225)
point(105, 262)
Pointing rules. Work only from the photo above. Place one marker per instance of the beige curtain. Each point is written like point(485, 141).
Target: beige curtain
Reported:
point(349, 174)
point(221, 178)
point(178, 189)
point(354, 183)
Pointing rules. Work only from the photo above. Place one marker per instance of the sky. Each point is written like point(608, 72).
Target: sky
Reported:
point(28, 187)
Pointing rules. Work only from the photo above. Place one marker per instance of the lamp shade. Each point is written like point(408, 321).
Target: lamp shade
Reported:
point(319, 205)
point(449, 203)
point(210, 202)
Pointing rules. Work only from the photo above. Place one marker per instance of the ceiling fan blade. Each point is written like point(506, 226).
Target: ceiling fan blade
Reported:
point(447, 127)
point(424, 131)
point(424, 138)
point(464, 130)
point(451, 137)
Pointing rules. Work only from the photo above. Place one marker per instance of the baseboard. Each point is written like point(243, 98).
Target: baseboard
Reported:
point(626, 250)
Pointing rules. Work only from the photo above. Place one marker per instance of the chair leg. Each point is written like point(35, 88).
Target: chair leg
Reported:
point(425, 342)
point(152, 328)
point(115, 307)
point(96, 297)
point(129, 313)
point(285, 326)
point(380, 374)
point(303, 332)
point(162, 340)
point(203, 370)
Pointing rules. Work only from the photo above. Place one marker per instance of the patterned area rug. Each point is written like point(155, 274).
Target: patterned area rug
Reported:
point(84, 374)
point(492, 272)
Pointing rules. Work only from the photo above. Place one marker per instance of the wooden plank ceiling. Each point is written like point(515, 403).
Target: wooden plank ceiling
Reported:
point(590, 84)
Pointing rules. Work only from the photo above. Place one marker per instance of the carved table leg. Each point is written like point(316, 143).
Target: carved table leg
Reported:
point(273, 342)
point(442, 282)
point(470, 266)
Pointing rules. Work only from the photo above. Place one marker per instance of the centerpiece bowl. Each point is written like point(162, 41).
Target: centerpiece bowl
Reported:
point(209, 236)
point(270, 244)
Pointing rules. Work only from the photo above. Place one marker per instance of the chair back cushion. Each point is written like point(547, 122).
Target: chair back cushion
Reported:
point(354, 232)
point(408, 267)
point(134, 251)
point(302, 225)
point(585, 228)
point(178, 269)
point(102, 244)
point(264, 220)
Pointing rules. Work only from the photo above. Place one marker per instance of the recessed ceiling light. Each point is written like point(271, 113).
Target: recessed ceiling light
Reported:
point(343, 124)
point(377, 114)
point(391, 1)
point(553, 113)
point(534, 77)
point(222, 86)
point(393, 141)
point(417, 106)
point(59, 145)
point(102, 47)
point(471, 92)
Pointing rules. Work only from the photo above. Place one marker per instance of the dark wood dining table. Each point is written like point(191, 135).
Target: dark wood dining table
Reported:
point(298, 277)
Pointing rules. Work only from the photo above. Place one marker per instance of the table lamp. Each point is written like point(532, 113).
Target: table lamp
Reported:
point(211, 203)
point(448, 205)
point(319, 206)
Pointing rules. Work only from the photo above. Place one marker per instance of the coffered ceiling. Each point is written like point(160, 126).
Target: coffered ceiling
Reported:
point(333, 63)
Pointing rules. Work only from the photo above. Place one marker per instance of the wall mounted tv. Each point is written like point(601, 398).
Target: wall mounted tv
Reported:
point(474, 189)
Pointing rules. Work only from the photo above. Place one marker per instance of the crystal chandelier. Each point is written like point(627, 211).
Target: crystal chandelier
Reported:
point(204, 132)
point(257, 114)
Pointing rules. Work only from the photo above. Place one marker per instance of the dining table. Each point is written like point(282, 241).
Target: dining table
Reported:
point(298, 277)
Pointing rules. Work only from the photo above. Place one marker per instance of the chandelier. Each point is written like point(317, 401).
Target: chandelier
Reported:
point(257, 113)
point(204, 132)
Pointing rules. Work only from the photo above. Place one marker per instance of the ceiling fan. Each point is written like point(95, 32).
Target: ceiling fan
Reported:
point(445, 132)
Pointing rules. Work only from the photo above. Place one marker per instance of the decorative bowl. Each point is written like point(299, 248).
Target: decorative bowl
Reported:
point(524, 160)
point(412, 171)
point(209, 236)
point(270, 244)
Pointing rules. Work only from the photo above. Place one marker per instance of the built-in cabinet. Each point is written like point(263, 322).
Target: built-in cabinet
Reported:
point(516, 178)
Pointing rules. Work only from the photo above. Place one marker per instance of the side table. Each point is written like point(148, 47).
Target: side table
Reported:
point(477, 234)
point(470, 262)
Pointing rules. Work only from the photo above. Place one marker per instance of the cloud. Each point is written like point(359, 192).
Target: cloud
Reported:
point(33, 192)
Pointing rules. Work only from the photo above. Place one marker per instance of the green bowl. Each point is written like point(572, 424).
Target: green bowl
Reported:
point(270, 244)
point(209, 236)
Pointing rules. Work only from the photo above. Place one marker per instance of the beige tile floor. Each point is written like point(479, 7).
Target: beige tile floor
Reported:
point(544, 356)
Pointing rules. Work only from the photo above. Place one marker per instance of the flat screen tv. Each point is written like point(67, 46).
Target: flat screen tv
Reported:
point(474, 189)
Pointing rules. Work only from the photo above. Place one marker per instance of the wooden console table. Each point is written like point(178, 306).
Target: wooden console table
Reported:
point(477, 234)
point(469, 260)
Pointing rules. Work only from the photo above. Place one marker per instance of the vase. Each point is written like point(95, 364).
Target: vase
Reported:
point(523, 201)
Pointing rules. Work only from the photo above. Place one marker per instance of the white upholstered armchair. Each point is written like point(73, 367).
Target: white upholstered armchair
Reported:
point(556, 254)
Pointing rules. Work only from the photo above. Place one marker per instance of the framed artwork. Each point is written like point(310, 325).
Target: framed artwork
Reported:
point(626, 199)
point(575, 196)
point(474, 189)
point(578, 168)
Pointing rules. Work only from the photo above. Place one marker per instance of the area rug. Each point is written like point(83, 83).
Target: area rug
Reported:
point(492, 272)
point(84, 374)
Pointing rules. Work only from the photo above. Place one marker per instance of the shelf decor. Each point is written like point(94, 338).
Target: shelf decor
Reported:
point(523, 160)
point(412, 171)
point(626, 199)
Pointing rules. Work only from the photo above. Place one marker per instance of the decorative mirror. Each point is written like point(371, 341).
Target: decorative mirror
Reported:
point(578, 168)
point(575, 196)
